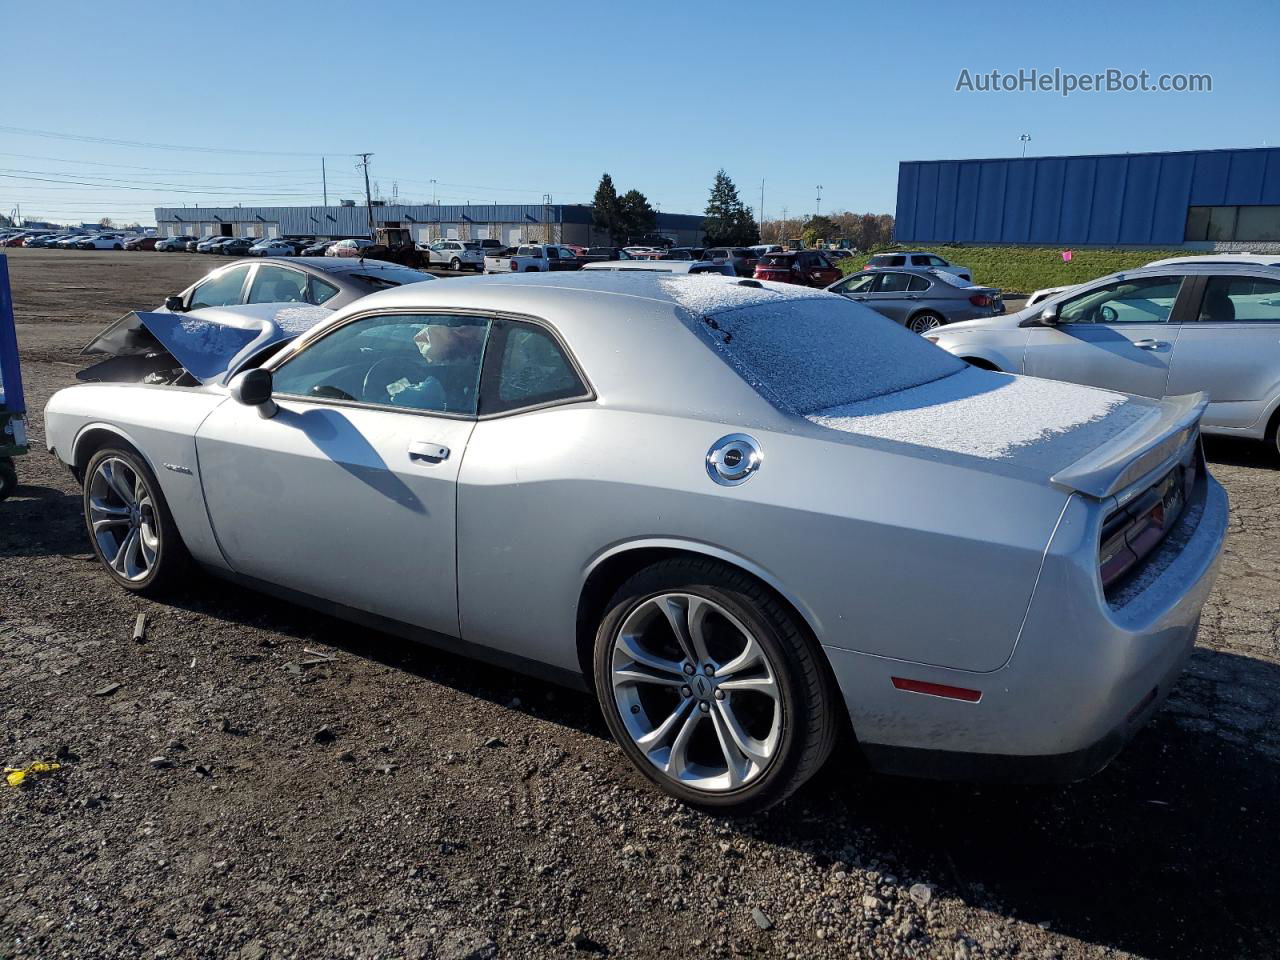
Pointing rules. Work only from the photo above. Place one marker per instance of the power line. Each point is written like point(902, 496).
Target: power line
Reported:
point(81, 138)
point(165, 170)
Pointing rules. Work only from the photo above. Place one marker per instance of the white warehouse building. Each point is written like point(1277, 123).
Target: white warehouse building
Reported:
point(509, 223)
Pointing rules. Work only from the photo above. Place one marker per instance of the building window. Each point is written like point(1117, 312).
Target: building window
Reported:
point(1243, 223)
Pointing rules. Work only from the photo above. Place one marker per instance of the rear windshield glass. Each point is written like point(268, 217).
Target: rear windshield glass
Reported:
point(816, 352)
point(777, 259)
point(383, 277)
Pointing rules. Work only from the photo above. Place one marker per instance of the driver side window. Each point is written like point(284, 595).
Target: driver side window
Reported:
point(1135, 300)
point(423, 362)
point(221, 290)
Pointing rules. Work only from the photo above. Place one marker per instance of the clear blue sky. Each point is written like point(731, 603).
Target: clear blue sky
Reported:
point(502, 101)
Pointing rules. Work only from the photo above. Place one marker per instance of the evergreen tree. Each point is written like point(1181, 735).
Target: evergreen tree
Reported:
point(728, 221)
point(606, 211)
point(636, 215)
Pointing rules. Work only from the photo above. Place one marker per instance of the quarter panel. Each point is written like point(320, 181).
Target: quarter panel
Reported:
point(857, 532)
point(161, 422)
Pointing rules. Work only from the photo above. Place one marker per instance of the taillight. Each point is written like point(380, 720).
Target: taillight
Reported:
point(980, 300)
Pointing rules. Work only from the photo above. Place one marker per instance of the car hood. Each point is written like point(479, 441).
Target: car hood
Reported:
point(208, 344)
point(1033, 427)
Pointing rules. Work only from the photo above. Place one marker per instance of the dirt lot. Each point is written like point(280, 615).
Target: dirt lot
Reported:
point(218, 798)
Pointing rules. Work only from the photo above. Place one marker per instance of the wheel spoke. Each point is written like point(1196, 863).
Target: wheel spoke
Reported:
point(678, 759)
point(150, 544)
point(98, 505)
point(750, 656)
point(629, 646)
point(120, 561)
point(108, 522)
point(656, 737)
point(746, 745)
point(676, 610)
point(765, 685)
point(123, 490)
point(698, 610)
point(637, 673)
point(734, 759)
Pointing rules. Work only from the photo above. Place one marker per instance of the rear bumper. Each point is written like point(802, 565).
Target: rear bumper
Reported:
point(1082, 680)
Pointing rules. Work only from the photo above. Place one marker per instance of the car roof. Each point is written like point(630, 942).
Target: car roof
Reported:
point(1266, 259)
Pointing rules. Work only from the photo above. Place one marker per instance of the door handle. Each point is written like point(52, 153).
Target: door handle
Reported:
point(430, 452)
point(1149, 344)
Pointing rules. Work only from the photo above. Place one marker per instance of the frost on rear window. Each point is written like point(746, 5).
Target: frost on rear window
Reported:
point(806, 350)
point(954, 279)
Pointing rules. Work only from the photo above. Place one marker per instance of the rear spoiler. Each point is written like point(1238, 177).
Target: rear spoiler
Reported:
point(1150, 444)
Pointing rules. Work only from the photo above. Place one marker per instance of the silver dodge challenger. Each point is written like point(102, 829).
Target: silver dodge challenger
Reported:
point(750, 517)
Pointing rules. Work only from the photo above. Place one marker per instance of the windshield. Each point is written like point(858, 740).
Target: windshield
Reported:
point(816, 352)
point(384, 277)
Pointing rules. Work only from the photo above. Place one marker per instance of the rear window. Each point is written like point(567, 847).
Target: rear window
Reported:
point(812, 352)
point(887, 261)
point(385, 277)
point(777, 259)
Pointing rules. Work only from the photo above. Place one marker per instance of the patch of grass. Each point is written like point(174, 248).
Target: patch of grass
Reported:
point(1020, 270)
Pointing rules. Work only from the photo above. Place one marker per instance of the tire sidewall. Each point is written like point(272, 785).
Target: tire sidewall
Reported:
point(761, 792)
point(167, 556)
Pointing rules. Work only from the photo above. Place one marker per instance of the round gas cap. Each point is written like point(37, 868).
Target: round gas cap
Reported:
point(733, 459)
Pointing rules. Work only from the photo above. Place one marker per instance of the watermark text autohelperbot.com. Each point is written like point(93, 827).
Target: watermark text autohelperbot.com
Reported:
point(1065, 83)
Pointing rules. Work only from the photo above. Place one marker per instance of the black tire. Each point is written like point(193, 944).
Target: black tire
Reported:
point(456, 265)
point(117, 247)
point(171, 557)
point(808, 699)
point(8, 477)
point(924, 321)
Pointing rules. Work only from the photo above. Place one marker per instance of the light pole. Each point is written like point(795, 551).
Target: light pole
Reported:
point(1025, 138)
point(817, 210)
point(433, 192)
point(761, 215)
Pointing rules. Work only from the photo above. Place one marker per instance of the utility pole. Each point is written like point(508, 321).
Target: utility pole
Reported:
point(368, 197)
point(817, 210)
point(761, 215)
point(1025, 138)
point(324, 182)
point(782, 227)
point(433, 193)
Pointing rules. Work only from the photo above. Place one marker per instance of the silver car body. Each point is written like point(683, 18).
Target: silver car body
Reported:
point(1187, 339)
point(465, 252)
point(903, 295)
point(916, 258)
point(990, 490)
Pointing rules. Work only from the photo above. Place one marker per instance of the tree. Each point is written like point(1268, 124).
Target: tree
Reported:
point(818, 228)
point(606, 211)
point(636, 215)
point(728, 222)
point(106, 222)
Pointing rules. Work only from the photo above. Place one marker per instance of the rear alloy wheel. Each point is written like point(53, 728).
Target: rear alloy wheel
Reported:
point(924, 322)
point(129, 523)
point(455, 264)
point(712, 687)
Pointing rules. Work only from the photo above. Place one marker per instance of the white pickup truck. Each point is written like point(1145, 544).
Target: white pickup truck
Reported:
point(534, 257)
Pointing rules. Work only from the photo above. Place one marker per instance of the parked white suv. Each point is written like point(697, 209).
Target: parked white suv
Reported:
point(918, 258)
point(455, 254)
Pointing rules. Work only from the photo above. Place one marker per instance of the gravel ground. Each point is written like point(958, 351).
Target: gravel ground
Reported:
point(252, 780)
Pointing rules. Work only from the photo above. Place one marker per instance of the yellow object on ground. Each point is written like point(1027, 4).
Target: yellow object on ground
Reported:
point(14, 776)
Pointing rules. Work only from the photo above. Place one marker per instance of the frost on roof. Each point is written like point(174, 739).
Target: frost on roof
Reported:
point(815, 351)
point(994, 416)
point(298, 320)
point(712, 293)
point(952, 278)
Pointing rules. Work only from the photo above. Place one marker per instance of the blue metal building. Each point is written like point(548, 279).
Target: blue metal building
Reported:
point(1201, 198)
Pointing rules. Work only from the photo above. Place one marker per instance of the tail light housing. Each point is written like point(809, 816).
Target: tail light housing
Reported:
point(981, 300)
point(1132, 532)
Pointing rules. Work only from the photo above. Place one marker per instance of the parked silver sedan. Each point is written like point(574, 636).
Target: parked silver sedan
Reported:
point(715, 503)
point(1181, 326)
point(921, 300)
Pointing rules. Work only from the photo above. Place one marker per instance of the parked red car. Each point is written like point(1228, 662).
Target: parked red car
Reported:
point(141, 243)
point(808, 268)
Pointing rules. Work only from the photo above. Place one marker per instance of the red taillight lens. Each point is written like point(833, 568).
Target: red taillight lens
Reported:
point(980, 300)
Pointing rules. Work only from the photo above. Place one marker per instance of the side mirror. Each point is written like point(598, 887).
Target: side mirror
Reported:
point(1049, 316)
point(174, 304)
point(253, 389)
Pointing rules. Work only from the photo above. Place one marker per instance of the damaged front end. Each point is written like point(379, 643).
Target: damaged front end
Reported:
point(202, 346)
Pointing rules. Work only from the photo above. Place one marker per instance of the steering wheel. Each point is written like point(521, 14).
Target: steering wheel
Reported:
point(378, 376)
point(329, 392)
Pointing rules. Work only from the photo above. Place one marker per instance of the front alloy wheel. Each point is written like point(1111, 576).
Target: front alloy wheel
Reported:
point(713, 686)
point(128, 522)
